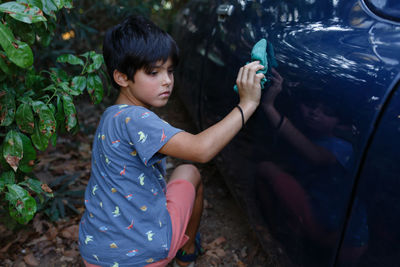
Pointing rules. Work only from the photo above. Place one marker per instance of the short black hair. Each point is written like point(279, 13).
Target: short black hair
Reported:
point(137, 43)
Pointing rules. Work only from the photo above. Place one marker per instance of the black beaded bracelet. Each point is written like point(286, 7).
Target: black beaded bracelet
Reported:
point(241, 112)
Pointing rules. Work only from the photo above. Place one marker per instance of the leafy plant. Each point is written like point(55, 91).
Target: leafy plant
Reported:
point(36, 105)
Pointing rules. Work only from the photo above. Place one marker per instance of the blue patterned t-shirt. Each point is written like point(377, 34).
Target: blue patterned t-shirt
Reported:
point(126, 222)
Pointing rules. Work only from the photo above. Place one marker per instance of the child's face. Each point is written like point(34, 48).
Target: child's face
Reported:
point(319, 118)
point(152, 89)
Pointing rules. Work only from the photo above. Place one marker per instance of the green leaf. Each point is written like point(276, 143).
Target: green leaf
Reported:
point(68, 4)
point(53, 139)
point(25, 99)
point(66, 89)
point(33, 184)
point(78, 84)
point(36, 3)
point(18, 52)
point(28, 161)
point(49, 7)
point(24, 118)
point(44, 127)
point(23, 12)
point(6, 178)
point(36, 186)
point(53, 212)
point(95, 88)
point(47, 123)
point(13, 149)
point(39, 140)
point(88, 54)
point(59, 3)
point(3, 65)
point(22, 205)
point(70, 112)
point(60, 115)
point(70, 59)
point(98, 60)
point(36, 105)
point(3, 163)
point(7, 107)
point(23, 31)
point(61, 207)
point(59, 75)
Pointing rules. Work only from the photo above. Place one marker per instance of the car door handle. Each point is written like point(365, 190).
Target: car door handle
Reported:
point(224, 11)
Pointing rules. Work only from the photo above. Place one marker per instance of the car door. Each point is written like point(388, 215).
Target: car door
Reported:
point(373, 213)
point(372, 232)
point(339, 63)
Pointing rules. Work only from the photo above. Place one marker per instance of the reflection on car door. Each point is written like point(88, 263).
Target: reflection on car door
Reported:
point(297, 187)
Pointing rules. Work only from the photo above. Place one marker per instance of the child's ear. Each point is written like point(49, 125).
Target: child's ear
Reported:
point(120, 78)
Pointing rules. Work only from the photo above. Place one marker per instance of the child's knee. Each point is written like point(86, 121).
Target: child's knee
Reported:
point(188, 172)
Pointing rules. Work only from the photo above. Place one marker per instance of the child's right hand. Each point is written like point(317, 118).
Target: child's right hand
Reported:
point(274, 90)
point(248, 83)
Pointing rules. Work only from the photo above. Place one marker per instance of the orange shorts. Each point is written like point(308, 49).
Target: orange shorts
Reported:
point(180, 200)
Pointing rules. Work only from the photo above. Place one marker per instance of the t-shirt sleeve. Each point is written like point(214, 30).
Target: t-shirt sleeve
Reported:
point(342, 150)
point(148, 133)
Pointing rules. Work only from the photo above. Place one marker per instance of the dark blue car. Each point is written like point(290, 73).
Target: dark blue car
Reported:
point(327, 191)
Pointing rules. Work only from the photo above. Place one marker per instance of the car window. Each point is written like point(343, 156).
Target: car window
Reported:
point(388, 9)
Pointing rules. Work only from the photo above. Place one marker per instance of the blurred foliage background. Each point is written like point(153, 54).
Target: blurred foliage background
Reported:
point(84, 25)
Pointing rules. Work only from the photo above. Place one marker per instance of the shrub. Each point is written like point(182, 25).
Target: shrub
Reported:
point(35, 105)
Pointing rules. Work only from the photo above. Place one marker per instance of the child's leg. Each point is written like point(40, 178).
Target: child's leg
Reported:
point(185, 205)
point(191, 174)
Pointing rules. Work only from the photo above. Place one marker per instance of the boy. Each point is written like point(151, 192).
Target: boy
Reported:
point(132, 217)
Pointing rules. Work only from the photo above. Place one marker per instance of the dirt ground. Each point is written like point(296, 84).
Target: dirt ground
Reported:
point(226, 235)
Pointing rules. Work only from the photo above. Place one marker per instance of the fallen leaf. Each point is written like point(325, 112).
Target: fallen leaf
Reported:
point(211, 254)
point(67, 259)
point(47, 250)
point(216, 253)
point(243, 252)
point(241, 264)
point(6, 247)
point(220, 252)
point(217, 242)
point(22, 236)
point(38, 224)
point(52, 232)
point(35, 241)
point(71, 253)
point(20, 264)
point(31, 260)
point(71, 232)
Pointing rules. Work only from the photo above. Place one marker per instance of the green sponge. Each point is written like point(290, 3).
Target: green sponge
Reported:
point(263, 51)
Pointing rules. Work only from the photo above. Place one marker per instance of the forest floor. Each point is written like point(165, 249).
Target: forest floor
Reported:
point(227, 237)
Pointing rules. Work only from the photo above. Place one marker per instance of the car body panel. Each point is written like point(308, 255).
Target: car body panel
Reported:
point(388, 9)
point(377, 192)
point(334, 57)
